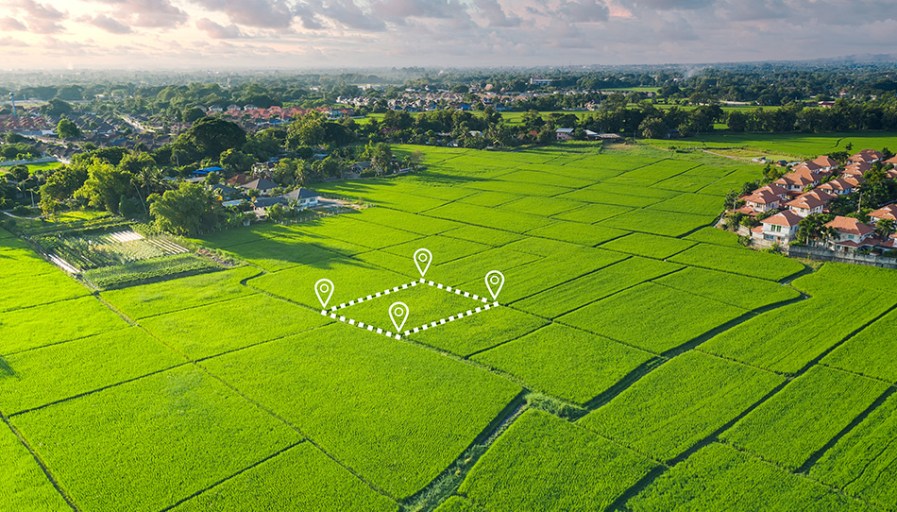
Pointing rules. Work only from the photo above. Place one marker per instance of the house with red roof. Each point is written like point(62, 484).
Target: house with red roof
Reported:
point(888, 212)
point(869, 156)
point(850, 234)
point(891, 161)
point(780, 228)
point(839, 187)
point(857, 169)
point(797, 181)
point(810, 203)
point(764, 199)
point(826, 163)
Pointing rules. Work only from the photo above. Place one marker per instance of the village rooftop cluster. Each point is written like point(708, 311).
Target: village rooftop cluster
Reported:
point(808, 189)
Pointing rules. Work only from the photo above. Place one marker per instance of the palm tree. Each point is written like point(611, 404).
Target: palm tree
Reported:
point(885, 228)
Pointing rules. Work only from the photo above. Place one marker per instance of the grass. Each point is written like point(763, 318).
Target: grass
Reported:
point(870, 351)
point(183, 293)
point(589, 288)
point(545, 463)
point(651, 246)
point(659, 222)
point(395, 413)
point(739, 291)
point(719, 477)
point(565, 362)
point(682, 402)
point(794, 342)
point(478, 332)
point(861, 462)
point(45, 375)
point(217, 328)
point(173, 434)
point(653, 317)
point(301, 478)
point(30, 328)
point(807, 414)
point(739, 261)
point(22, 483)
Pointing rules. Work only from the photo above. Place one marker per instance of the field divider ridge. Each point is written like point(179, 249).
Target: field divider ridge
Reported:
point(40, 462)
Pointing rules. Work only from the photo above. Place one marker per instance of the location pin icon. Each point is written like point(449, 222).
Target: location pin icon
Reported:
point(422, 259)
point(495, 280)
point(324, 290)
point(398, 312)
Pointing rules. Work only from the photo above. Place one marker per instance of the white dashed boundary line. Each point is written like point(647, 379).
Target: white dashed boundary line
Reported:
point(332, 312)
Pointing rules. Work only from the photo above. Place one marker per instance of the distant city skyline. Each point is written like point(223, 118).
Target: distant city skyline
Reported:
point(284, 34)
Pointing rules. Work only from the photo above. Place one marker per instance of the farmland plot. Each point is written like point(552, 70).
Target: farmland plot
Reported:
point(793, 344)
point(871, 351)
point(675, 406)
point(22, 483)
point(172, 434)
point(862, 462)
point(302, 478)
point(588, 235)
point(589, 288)
point(177, 294)
point(42, 287)
point(480, 332)
point(739, 291)
point(30, 328)
point(739, 261)
point(653, 317)
point(659, 222)
point(719, 477)
point(651, 246)
point(515, 222)
point(592, 213)
point(45, 375)
point(545, 463)
point(395, 413)
point(565, 362)
point(804, 416)
point(209, 330)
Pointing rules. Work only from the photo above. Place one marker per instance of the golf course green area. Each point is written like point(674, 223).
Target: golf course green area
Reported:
point(631, 356)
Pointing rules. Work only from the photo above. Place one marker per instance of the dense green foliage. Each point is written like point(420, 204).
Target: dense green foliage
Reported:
point(148, 271)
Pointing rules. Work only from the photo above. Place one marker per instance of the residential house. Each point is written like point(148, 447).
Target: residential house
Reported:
point(764, 199)
point(564, 133)
point(888, 212)
point(239, 179)
point(855, 180)
point(826, 163)
point(810, 203)
point(892, 160)
point(797, 181)
point(263, 185)
point(869, 156)
point(857, 168)
point(840, 186)
point(780, 228)
point(850, 234)
point(303, 198)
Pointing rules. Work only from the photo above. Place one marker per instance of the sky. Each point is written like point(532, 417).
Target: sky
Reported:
point(295, 34)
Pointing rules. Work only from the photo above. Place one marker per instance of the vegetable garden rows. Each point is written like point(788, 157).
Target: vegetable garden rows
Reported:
point(640, 360)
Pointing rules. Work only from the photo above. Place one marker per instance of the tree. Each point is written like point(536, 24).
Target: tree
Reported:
point(210, 136)
point(380, 156)
point(233, 161)
point(653, 128)
point(885, 228)
point(188, 210)
point(812, 227)
point(60, 187)
point(67, 129)
point(104, 187)
point(307, 130)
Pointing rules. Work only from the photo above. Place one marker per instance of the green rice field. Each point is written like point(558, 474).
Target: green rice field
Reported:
point(634, 359)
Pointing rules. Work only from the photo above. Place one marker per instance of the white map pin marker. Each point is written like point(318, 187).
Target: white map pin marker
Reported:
point(324, 290)
point(495, 280)
point(423, 258)
point(398, 312)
